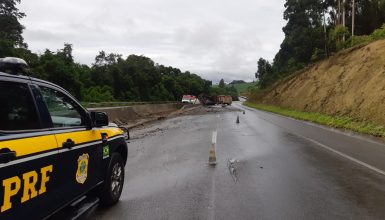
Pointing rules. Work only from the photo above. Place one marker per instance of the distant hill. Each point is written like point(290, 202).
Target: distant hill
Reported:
point(237, 82)
point(241, 87)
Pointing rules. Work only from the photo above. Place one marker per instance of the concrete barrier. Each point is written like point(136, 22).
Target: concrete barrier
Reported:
point(127, 114)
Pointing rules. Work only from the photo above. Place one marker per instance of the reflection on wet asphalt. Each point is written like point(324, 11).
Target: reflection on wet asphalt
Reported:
point(264, 171)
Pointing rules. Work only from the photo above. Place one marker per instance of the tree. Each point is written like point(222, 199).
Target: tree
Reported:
point(304, 33)
point(237, 82)
point(98, 94)
point(66, 53)
point(229, 90)
point(136, 78)
point(264, 73)
point(56, 68)
point(11, 30)
point(369, 15)
point(6, 48)
point(221, 83)
point(207, 86)
point(264, 68)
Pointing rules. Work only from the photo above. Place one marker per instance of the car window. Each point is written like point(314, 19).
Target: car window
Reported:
point(17, 111)
point(62, 109)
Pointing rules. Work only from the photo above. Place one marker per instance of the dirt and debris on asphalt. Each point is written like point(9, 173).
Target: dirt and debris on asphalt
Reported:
point(153, 127)
point(266, 169)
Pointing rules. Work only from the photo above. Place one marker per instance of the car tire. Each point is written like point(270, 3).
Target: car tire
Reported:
point(113, 184)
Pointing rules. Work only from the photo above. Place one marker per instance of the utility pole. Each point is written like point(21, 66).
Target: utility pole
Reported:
point(325, 36)
point(353, 15)
point(343, 17)
point(339, 13)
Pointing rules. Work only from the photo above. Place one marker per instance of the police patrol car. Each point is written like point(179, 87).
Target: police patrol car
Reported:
point(52, 150)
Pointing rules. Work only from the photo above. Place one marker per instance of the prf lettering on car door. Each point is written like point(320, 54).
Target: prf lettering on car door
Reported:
point(12, 186)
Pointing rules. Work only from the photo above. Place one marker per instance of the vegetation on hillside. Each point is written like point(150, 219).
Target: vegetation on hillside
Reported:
point(241, 87)
point(244, 87)
point(224, 89)
point(315, 29)
point(111, 77)
point(236, 82)
point(351, 83)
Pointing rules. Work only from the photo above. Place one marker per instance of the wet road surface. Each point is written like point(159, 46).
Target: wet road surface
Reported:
point(280, 171)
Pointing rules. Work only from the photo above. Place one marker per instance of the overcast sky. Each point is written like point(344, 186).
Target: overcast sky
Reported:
point(213, 38)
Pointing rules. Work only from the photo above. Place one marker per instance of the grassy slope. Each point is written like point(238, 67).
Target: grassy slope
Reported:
point(323, 119)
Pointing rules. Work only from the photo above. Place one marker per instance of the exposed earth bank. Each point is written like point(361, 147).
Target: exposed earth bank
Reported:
point(350, 83)
point(137, 115)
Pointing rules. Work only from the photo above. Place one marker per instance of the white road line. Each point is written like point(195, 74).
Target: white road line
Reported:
point(211, 208)
point(375, 169)
point(347, 133)
point(345, 156)
point(214, 137)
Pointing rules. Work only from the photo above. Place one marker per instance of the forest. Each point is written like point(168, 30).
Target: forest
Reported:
point(111, 77)
point(316, 29)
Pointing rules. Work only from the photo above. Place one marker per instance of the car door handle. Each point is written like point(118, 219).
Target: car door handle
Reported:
point(7, 155)
point(68, 144)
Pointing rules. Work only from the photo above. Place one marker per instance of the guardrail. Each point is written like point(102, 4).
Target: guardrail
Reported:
point(117, 104)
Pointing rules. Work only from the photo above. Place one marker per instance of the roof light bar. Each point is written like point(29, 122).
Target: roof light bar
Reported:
point(14, 66)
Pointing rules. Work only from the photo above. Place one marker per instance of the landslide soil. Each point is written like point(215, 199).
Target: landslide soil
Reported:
point(350, 83)
point(154, 127)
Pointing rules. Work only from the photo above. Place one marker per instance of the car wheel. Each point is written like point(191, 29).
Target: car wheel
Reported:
point(113, 184)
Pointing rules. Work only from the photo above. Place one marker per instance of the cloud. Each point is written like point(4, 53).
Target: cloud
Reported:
point(215, 39)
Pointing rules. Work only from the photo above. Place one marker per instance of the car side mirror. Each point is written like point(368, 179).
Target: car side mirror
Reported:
point(99, 119)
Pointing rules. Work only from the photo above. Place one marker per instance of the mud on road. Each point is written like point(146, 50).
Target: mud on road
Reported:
point(265, 170)
point(154, 127)
point(167, 174)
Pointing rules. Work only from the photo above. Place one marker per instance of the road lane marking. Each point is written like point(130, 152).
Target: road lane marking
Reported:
point(214, 137)
point(211, 208)
point(345, 156)
point(212, 153)
point(346, 133)
point(368, 166)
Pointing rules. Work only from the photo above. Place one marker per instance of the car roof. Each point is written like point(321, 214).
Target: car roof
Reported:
point(10, 76)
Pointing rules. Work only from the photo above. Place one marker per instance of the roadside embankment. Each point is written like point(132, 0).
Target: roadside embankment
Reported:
point(139, 114)
point(136, 115)
point(350, 84)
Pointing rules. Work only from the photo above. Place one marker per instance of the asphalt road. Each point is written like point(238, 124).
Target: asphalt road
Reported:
point(282, 169)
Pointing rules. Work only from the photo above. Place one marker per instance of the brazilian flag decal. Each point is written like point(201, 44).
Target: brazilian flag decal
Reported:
point(106, 151)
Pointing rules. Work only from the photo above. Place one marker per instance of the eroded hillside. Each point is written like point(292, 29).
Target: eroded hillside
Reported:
point(351, 83)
